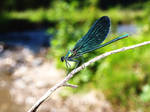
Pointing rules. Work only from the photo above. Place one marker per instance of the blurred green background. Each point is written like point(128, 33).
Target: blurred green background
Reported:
point(124, 78)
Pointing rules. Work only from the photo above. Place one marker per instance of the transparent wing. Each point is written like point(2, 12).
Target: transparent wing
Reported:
point(94, 36)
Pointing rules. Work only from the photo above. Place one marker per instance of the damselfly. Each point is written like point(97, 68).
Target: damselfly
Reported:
point(91, 41)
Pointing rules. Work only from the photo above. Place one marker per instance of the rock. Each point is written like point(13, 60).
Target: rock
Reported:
point(32, 76)
point(37, 62)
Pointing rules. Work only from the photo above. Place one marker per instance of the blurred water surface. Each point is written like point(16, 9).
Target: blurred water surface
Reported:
point(33, 39)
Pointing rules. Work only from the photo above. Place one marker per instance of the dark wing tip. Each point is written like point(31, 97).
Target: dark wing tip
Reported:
point(105, 19)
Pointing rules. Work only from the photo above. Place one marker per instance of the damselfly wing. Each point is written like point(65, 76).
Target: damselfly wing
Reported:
point(91, 41)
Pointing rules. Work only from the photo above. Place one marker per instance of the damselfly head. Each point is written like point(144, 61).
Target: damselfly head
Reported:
point(62, 58)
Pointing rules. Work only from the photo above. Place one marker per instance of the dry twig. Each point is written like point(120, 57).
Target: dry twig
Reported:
point(73, 72)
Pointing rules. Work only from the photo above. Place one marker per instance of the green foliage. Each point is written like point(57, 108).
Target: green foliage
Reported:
point(120, 76)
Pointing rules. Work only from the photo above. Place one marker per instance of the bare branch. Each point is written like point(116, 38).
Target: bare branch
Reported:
point(70, 85)
point(73, 72)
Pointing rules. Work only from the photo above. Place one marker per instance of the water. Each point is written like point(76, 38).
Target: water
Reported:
point(127, 28)
point(34, 39)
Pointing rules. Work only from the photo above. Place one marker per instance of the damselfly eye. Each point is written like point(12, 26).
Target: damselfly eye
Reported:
point(62, 58)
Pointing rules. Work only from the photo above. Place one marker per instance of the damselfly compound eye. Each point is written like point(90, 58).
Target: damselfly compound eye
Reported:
point(62, 58)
